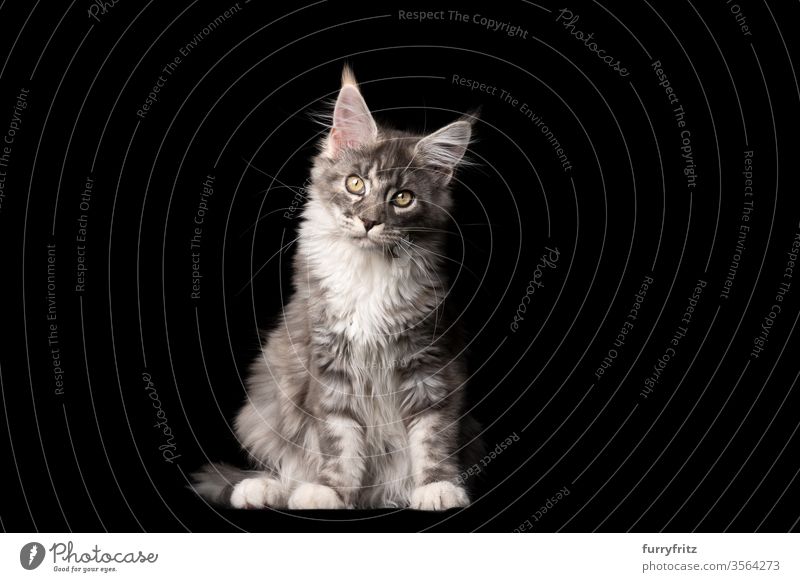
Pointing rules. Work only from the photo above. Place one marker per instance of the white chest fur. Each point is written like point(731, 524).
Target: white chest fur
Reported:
point(364, 290)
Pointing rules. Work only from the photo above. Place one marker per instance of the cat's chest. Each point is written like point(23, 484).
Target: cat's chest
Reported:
point(364, 318)
point(369, 302)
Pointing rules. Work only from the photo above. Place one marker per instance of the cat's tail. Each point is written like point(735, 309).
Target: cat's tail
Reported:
point(215, 482)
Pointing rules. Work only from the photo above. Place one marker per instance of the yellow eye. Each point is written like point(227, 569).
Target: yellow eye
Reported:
point(403, 199)
point(354, 184)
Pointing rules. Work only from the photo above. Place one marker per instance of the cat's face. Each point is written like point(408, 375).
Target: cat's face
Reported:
point(384, 186)
point(380, 194)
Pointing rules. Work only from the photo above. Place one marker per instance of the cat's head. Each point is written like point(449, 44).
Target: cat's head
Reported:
point(379, 185)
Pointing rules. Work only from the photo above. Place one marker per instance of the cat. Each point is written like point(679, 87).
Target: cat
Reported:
point(357, 397)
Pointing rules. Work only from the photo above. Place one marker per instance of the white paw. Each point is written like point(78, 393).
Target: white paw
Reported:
point(314, 496)
point(257, 492)
point(438, 496)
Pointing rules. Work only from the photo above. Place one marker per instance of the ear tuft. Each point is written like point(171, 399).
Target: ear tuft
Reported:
point(348, 77)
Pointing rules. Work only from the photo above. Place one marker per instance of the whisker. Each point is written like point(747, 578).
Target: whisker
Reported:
point(294, 189)
point(459, 263)
point(422, 229)
point(262, 217)
point(439, 279)
point(451, 232)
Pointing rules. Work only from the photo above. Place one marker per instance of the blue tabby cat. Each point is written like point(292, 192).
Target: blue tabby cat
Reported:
point(357, 397)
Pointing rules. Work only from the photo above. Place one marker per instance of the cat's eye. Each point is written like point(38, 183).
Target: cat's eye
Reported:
point(403, 199)
point(354, 184)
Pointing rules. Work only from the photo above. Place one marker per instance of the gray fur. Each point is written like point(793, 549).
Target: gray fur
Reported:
point(356, 399)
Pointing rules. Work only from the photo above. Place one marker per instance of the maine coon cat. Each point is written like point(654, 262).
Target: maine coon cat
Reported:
point(357, 397)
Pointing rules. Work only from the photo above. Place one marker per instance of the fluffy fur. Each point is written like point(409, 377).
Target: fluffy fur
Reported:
point(356, 399)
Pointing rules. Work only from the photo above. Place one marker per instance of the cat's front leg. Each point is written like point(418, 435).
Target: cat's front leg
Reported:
point(341, 443)
point(432, 442)
point(258, 492)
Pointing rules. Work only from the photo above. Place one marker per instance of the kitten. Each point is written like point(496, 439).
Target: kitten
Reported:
point(356, 399)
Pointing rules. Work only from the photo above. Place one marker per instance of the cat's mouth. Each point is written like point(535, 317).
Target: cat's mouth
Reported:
point(365, 241)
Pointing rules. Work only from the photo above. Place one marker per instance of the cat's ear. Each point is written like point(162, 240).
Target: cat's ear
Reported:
point(444, 149)
point(353, 125)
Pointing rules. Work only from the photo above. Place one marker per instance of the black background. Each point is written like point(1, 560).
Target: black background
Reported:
point(712, 448)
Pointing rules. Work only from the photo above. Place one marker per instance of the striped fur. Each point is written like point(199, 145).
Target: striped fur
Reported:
point(356, 399)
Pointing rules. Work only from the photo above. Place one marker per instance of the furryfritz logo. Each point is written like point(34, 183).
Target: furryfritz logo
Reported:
point(31, 555)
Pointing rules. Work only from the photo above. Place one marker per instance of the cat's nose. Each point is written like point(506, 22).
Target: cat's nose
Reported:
point(368, 224)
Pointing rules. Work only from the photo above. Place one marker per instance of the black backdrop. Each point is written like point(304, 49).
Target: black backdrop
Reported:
point(671, 426)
